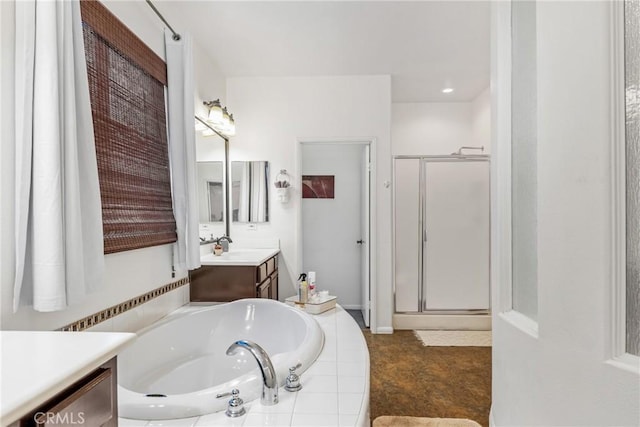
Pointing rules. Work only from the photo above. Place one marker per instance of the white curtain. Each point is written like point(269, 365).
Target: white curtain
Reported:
point(182, 149)
point(59, 246)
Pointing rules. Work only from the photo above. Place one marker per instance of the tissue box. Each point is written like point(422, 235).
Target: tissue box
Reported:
point(317, 306)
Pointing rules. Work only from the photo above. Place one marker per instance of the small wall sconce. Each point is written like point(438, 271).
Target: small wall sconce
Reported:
point(282, 184)
point(220, 119)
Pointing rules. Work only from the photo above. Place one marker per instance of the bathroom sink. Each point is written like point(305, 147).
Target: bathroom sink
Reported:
point(239, 256)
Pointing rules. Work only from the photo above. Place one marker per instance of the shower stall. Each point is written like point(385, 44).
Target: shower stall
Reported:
point(442, 237)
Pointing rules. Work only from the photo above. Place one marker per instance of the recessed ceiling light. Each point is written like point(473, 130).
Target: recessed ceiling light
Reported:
point(447, 90)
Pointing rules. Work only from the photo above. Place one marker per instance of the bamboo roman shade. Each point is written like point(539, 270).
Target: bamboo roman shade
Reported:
point(126, 84)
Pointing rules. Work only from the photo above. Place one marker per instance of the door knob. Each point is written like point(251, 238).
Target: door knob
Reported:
point(360, 242)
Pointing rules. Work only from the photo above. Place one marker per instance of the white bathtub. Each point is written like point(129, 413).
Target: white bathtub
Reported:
point(183, 357)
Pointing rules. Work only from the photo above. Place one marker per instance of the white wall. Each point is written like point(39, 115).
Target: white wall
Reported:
point(563, 374)
point(128, 274)
point(335, 256)
point(440, 128)
point(274, 113)
point(481, 120)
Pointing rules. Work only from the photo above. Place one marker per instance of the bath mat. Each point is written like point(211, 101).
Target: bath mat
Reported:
point(389, 421)
point(455, 338)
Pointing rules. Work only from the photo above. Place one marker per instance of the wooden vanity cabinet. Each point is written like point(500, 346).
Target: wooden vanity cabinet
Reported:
point(90, 401)
point(223, 283)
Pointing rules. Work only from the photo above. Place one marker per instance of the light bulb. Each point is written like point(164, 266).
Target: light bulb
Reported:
point(215, 112)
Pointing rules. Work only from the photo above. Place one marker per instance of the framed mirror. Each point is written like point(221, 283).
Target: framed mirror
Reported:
point(211, 172)
point(210, 191)
point(250, 191)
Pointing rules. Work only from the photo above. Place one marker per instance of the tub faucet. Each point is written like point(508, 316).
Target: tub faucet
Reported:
point(269, 381)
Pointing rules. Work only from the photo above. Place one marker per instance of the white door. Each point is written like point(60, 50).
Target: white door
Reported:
point(332, 227)
point(365, 247)
point(456, 235)
point(560, 362)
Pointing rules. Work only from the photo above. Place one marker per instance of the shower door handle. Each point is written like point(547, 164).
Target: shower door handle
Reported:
point(424, 235)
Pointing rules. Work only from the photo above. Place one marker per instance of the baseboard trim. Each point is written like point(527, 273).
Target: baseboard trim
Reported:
point(480, 322)
point(384, 330)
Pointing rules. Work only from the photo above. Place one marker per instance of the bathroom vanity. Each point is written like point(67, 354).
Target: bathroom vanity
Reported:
point(60, 378)
point(239, 273)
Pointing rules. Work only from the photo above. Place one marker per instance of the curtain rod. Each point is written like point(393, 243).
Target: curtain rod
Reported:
point(176, 36)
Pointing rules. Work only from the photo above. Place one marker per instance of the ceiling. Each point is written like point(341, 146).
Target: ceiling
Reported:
point(424, 45)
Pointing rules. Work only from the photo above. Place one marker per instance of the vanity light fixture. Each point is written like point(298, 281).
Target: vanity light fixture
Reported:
point(220, 119)
point(447, 90)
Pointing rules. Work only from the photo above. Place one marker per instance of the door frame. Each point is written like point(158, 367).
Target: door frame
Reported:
point(364, 141)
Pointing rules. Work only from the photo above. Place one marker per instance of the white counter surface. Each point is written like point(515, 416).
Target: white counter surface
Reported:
point(251, 257)
point(36, 365)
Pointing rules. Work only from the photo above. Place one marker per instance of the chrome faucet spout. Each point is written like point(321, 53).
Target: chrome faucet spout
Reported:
point(269, 381)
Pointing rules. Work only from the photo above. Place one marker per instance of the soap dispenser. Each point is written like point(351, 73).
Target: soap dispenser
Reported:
point(303, 289)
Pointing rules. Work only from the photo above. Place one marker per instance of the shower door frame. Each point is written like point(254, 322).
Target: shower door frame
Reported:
point(421, 222)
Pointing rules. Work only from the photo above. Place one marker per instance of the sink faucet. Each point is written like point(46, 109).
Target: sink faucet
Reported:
point(224, 241)
point(269, 381)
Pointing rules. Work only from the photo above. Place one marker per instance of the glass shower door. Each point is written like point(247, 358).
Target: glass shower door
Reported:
point(456, 234)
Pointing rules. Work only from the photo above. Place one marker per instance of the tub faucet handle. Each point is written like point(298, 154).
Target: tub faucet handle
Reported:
point(292, 382)
point(236, 404)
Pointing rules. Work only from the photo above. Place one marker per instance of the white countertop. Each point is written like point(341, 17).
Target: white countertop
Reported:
point(335, 389)
point(36, 365)
point(252, 257)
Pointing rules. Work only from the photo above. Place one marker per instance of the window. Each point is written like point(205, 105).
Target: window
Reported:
point(632, 137)
point(127, 86)
point(524, 175)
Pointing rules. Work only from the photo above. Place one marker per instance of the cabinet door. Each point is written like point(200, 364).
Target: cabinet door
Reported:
point(274, 286)
point(264, 289)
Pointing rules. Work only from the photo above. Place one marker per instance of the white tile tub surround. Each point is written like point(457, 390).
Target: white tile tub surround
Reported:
point(335, 389)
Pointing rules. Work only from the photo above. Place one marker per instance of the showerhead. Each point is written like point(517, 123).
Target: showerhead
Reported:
point(459, 152)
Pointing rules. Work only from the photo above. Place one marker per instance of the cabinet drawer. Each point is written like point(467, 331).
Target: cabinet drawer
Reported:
point(91, 404)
